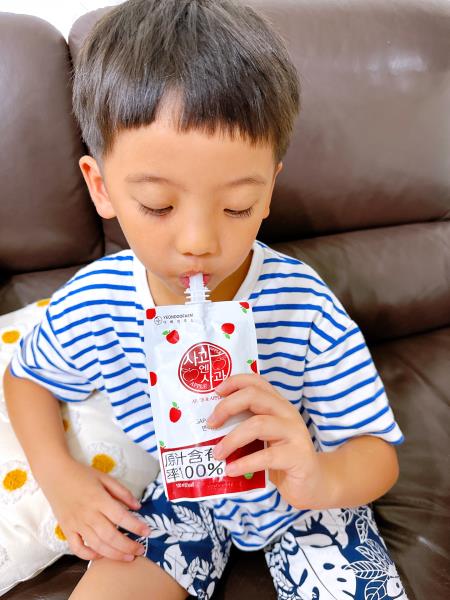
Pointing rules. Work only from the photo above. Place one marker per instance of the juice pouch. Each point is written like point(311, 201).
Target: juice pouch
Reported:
point(190, 349)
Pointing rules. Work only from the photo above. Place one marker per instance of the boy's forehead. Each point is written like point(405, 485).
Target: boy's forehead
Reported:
point(163, 142)
point(162, 147)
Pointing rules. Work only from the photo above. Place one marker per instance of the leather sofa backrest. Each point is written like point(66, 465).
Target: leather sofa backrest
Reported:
point(46, 216)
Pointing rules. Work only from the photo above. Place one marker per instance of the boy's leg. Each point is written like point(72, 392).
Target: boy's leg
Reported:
point(334, 554)
point(140, 579)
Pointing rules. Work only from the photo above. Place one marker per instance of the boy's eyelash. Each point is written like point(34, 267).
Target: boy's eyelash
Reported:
point(159, 212)
point(240, 213)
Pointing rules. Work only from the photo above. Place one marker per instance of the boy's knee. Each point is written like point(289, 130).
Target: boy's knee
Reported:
point(141, 579)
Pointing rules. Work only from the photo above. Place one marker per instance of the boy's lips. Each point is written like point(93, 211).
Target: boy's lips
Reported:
point(184, 279)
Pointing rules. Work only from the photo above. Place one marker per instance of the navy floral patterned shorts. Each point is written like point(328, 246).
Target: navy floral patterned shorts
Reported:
point(329, 554)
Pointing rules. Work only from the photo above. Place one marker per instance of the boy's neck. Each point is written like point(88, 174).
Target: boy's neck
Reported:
point(224, 291)
point(229, 286)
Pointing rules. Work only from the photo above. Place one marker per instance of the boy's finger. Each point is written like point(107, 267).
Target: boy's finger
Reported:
point(107, 537)
point(80, 549)
point(259, 427)
point(237, 382)
point(252, 399)
point(120, 492)
point(127, 520)
point(273, 457)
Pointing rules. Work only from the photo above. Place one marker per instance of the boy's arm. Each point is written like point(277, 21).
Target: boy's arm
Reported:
point(36, 419)
point(360, 471)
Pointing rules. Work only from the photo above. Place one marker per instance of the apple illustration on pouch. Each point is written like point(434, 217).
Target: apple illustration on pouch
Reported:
point(253, 365)
point(228, 329)
point(150, 313)
point(245, 306)
point(248, 475)
point(191, 375)
point(153, 377)
point(174, 413)
point(218, 364)
point(171, 336)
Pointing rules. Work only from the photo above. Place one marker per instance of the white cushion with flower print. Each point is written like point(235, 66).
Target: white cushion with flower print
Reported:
point(30, 537)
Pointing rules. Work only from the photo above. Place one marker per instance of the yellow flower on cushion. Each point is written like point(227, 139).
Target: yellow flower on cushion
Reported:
point(59, 533)
point(70, 419)
point(107, 458)
point(43, 302)
point(16, 480)
point(11, 334)
point(51, 534)
point(103, 462)
point(10, 337)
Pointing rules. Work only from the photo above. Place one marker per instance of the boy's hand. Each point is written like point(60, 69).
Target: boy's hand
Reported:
point(88, 505)
point(290, 455)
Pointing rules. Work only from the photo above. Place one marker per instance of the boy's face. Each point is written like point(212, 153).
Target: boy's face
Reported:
point(201, 219)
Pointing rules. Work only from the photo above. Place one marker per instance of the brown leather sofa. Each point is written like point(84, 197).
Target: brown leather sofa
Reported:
point(364, 198)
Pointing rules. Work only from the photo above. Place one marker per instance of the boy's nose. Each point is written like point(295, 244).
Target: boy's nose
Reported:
point(197, 239)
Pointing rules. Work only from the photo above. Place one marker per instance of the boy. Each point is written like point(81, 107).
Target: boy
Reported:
point(187, 108)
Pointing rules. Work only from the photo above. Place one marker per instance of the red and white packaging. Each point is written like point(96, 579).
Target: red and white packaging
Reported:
point(190, 349)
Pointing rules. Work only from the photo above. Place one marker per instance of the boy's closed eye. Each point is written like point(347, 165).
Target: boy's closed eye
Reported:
point(159, 212)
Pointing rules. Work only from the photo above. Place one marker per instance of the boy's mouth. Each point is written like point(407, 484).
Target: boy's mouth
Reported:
point(184, 279)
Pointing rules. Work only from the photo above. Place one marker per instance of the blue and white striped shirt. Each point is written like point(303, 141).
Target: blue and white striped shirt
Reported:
point(91, 337)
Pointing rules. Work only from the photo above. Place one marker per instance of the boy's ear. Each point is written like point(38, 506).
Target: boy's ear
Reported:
point(94, 181)
point(278, 168)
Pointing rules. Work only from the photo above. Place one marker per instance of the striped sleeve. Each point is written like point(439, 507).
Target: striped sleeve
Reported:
point(343, 394)
point(46, 359)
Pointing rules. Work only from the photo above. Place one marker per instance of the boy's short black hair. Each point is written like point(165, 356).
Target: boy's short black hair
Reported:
point(225, 62)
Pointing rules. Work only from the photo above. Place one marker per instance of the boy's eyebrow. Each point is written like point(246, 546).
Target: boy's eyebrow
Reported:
point(147, 178)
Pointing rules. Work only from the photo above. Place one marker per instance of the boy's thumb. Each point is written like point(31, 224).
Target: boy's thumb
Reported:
point(119, 491)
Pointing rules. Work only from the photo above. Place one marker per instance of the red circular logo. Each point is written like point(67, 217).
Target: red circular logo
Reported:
point(203, 367)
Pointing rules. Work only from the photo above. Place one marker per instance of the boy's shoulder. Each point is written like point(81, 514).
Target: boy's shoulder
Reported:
point(283, 266)
point(290, 293)
point(293, 276)
point(118, 263)
point(107, 277)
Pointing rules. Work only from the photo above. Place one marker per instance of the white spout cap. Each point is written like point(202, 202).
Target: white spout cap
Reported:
point(197, 291)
